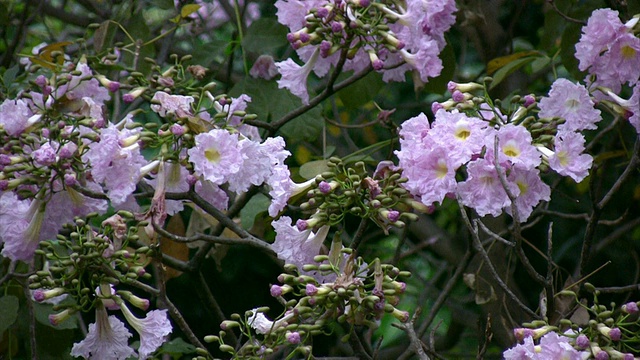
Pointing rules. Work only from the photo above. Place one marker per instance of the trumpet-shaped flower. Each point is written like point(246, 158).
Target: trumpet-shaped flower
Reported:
point(216, 155)
point(568, 159)
point(295, 246)
point(152, 329)
point(571, 102)
point(107, 339)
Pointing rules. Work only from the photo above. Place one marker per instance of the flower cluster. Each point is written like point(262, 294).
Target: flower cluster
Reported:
point(611, 333)
point(358, 295)
point(390, 38)
point(490, 161)
point(610, 52)
point(87, 266)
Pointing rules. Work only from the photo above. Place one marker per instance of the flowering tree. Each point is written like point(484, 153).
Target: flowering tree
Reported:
point(354, 179)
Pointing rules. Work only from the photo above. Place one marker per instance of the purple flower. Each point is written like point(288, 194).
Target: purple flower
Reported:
point(14, 116)
point(571, 102)
point(116, 161)
point(264, 68)
point(515, 146)
point(630, 308)
point(461, 135)
point(106, 340)
point(602, 28)
point(615, 334)
point(582, 341)
point(293, 337)
point(554, 346)
point(523, 351)
point(532, 190)
point(45, 155)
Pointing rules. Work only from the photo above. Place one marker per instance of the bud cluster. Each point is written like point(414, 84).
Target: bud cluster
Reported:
point(610, 333)
point(349, 189)
point(359, 296)
point(82, 259)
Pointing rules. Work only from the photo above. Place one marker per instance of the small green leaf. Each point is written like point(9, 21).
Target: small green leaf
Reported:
point(362, 91)
point(10, 75)
point(8, 311)
point(258, 203)
point(508, 69)
point(100, 36)
point(311, 169)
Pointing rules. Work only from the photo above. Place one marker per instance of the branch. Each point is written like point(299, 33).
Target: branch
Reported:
point(416, 343)
point(478, 246)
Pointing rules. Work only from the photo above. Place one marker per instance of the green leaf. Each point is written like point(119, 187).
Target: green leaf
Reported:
point(258, 203)
point(100, 36)
point(311, 169)
point(177, 347)
point(508, 69)
point(271, 103)
point(362, 91)
point(264, 36)
point(8, 311)
point(10, 75)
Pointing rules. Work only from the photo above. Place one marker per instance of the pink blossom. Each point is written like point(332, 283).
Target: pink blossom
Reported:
point(461, 135)
point(294, 76)
point(602, 28)
point(106, 340)
point(176, 105)
point(295, 246)
point(216, 155)
point(515, 146)
point(532, 190)
point(14, 116)
point(483, 190)
point(571, 102)
point(153, 329)
point(568, 158)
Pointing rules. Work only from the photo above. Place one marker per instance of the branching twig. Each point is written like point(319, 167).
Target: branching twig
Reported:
point(416, 343)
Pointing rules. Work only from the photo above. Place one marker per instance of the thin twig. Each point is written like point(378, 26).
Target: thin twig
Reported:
point(563, 15)
point(478, 246)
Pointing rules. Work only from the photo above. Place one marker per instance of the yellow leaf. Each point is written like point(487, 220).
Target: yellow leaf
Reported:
point(188, 10)
point(45, 57)
point(495, 64)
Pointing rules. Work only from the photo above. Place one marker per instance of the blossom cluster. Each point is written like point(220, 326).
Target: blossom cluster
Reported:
point(609, 51)
point(502, 155)
point(390, 38)
point(605, 336)
point(62, 160)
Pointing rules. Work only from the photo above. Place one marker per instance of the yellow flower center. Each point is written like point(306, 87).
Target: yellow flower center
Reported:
point(628, 52)
point(441, 169)
point(511, 149)
point(212, 155)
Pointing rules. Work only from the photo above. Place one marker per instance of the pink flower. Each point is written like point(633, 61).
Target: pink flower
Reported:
point(107, 339)
point(461, 135)
point(514, 146)
point(483, 190)
point(116, 161)
point(568, 159)
point(176, 105)
point(602, 28)
point(152, 329)
point(571, 102)
point(295, 246)
point(524, 351)
point(216, 155)
point(532, 190)
point(294, 76)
